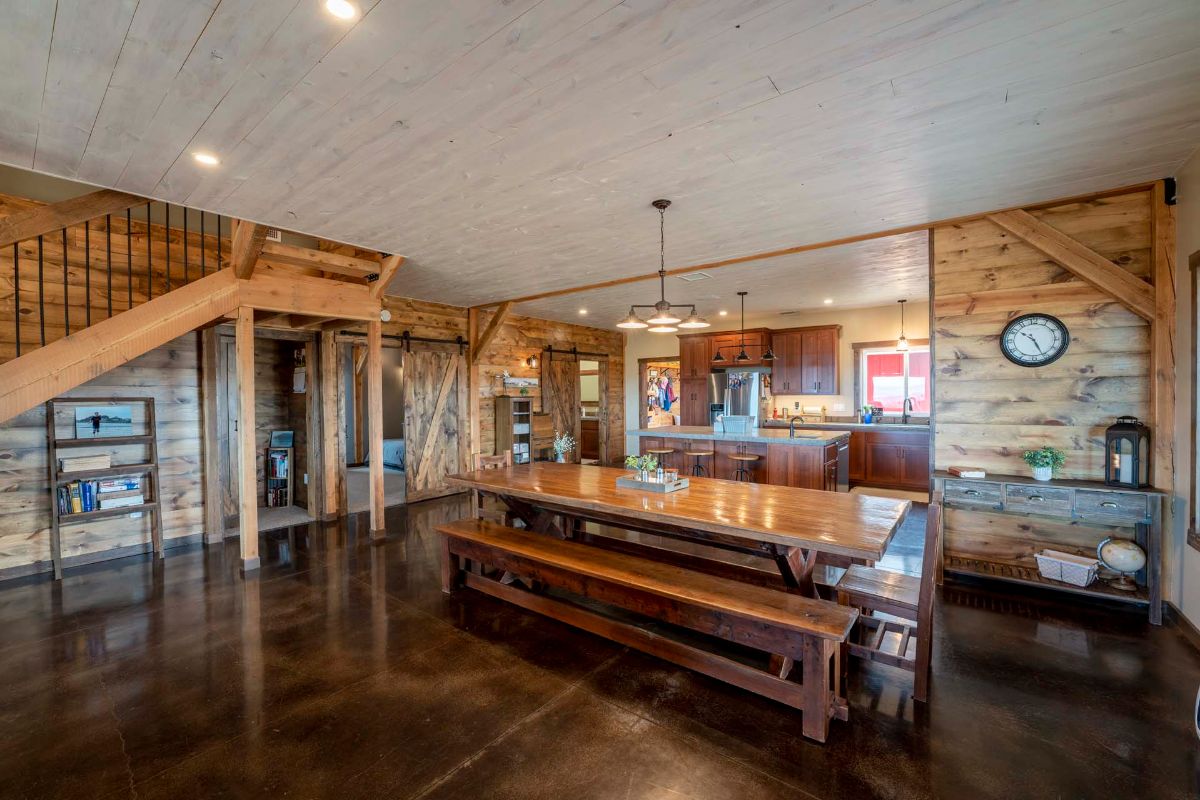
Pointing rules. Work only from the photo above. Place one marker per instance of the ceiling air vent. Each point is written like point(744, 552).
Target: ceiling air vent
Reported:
point(274, 235)
point(692, 277)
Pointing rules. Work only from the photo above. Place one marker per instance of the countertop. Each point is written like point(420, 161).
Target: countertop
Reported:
point(773, 436)
point(775, 424)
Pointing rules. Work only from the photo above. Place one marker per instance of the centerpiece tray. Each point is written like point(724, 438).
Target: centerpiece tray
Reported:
point(662, 487)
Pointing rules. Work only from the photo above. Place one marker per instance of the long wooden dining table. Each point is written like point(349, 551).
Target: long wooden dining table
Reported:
point(791, 527)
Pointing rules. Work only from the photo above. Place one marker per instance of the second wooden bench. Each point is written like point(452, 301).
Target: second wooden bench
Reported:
point(808, 631)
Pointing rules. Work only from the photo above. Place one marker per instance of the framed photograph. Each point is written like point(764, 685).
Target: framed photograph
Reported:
point(98, 422)
point(281, 438)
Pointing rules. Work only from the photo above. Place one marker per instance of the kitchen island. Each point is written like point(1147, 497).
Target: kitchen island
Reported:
point(813, 459)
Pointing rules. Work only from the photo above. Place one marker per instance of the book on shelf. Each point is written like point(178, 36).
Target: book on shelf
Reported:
point(76, 497)
point(122, 502)
point(79, 497)
point(81, 463)
point(109, 485)
point(278, 465)
point(967, 472)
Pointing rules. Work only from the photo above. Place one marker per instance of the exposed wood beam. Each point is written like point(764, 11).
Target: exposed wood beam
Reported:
point(36, 221)
point(306, 258)
point(246, 469)
point(473, 388)
point(387, 271)
point(270, 317)
point(1080, 260)
point(309, 296)
point(305, 322)
point(332, 452)
point(214, 513)
point(375, 423)
point(248, 241)
point(804, 248)
point(1162, 333)
point(489, 333)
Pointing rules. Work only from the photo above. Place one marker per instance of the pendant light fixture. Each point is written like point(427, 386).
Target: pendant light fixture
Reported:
point(902, 342)
point(742, 356)
point(663, 318)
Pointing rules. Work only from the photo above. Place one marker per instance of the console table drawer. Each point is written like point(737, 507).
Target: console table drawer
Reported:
point(1110, 506)
point(1037, 499)
point(974, 494)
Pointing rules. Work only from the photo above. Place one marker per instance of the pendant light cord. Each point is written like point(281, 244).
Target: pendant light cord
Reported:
point(662, 254)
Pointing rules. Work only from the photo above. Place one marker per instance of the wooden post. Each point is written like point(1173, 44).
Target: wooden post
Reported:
point(247, 477)
point(375, 423)
point(331, 433)
point(1162, 384)
point(214, 516)
point(473, 385)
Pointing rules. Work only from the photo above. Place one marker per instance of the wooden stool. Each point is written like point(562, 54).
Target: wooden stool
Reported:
point(661, 454)
point(699, 469)
point(743, 458)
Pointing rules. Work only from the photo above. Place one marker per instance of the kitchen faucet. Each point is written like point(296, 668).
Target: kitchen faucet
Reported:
point(908, 406)
point(792, 427)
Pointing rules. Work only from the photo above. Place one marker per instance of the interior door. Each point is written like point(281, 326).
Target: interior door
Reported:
point(560, 394)
point(435, 421)
point(602, 412)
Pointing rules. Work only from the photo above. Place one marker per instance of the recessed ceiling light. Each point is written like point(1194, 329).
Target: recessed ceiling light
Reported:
point(828, 301)
point(341, 9)
point(583, 312)
point(207, 159)
point(723, 313)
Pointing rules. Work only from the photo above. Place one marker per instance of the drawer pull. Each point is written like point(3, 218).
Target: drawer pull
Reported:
point(971, 492)
point(1036, 498)
point(1108, 504)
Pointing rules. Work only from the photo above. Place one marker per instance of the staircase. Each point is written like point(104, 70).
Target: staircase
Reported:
point(81, 294)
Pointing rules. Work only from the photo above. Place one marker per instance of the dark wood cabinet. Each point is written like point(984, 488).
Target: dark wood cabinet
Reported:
point(694, 356)
point(806, 360)
point(693, 401)
point(858, 456)
point(725, 467)
point(799, 466)
point(589, 438)
point(729, 343)
point(894, 459)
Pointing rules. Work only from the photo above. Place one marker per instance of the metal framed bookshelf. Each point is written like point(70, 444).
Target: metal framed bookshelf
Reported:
point(146, 471)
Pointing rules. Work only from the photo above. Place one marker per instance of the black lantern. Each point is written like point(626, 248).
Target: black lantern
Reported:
point(1127, 454)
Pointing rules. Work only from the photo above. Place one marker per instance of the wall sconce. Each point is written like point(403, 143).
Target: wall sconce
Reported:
point(532, 362)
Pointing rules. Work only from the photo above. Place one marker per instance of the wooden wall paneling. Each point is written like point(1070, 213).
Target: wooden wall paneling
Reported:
point(987, 410)
point(247, 474)
point(171, 374)
point(375, 424)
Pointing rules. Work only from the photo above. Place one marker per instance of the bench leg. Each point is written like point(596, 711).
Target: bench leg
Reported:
point(780, 666)
point(816, 689)
point(450, 567)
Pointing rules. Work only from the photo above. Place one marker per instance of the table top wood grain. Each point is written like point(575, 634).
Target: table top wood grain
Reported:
point(853, 525)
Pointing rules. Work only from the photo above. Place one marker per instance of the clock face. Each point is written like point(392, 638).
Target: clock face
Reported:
point(1034, 340)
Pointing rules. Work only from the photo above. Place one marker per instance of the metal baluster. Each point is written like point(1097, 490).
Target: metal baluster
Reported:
point(129, 254)
point(168, 238)
point(41, 291)
point(66, 293)
point(203, 243)
point(17, 294)
point(108, 250)
point(149, 260)
point(186, 277)
point(87, 273)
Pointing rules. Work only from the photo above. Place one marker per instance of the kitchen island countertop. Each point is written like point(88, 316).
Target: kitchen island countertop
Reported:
point(804, 436)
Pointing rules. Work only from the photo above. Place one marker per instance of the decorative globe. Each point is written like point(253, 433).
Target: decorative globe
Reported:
point(1121, 555)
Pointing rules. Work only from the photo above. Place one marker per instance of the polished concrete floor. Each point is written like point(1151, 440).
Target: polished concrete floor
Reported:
point(342, 671)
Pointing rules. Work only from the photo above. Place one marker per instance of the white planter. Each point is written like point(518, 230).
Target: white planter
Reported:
point(1043, 473)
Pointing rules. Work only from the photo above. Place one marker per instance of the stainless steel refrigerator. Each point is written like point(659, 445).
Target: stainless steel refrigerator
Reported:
point(737, 392)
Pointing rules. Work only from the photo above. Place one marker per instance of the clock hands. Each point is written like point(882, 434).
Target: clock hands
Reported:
point(1033, 338)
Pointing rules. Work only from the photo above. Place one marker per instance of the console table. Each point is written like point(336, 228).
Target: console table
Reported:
point(1073, 502)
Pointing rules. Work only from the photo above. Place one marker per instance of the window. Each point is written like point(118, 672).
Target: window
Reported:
point(888, 377)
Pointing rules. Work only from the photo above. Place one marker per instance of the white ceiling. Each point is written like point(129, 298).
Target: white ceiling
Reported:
point(870, 273)
point(513, 147)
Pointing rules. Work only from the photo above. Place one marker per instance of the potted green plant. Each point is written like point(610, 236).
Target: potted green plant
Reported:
point(1045, 461)
point(642, 465)
point(868, 415)
point(563, 443)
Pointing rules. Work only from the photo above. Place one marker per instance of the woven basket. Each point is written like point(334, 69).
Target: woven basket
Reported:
point(1067, 567)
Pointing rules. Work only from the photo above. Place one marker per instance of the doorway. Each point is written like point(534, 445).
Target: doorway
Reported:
point(575, 394)
point(355, 427)
point(660, 392)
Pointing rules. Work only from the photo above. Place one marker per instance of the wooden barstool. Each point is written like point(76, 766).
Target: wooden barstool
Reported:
point(743, 459)
point(661, 453)
point(698, 468)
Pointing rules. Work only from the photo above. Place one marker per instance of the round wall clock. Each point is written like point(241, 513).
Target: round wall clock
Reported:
point(1034, 340)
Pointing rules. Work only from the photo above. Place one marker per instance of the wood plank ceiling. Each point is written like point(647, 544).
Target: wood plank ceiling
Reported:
point(512, 147)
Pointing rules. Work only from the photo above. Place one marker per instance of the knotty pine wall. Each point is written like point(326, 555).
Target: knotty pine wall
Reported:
point(171, 375)
point(988, 410)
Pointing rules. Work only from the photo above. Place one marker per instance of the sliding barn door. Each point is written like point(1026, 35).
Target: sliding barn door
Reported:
point(436, 425)
point(560, 394)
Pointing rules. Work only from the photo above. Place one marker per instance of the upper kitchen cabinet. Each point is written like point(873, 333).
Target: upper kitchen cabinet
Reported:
point(695, 353)
point(728, 344)
point(806, 360)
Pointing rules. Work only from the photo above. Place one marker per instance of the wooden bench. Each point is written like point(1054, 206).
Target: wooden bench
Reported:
point(788, 626)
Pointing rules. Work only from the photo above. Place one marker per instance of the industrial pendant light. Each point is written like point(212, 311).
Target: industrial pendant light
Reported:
point(902, 342)
point(663, 318)
point(742, 356)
